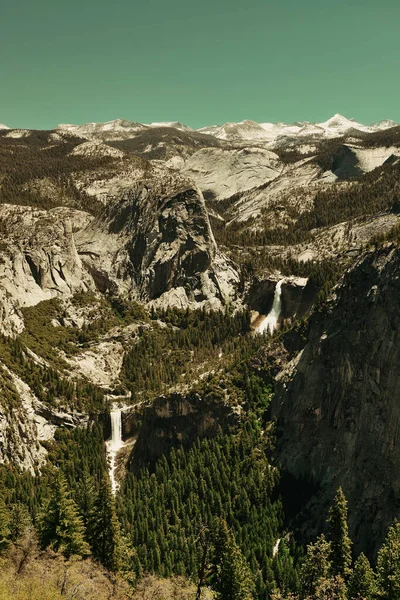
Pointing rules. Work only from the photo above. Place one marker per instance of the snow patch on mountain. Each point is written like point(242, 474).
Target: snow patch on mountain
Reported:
point(245, 130)
point(336, 126)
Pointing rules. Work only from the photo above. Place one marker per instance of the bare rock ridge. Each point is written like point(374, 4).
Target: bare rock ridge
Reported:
point(151, 241)
point(39, 259)
point(155, 246)
point(337, 408)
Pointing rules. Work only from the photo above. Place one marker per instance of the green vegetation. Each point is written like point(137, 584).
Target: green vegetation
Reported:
point(46, 382)
point(232, 577)
point(229, 478)
point(339, 537)
point(44, 334)
point(25, 162)
point(164, 356)
point(60, 526)
point(8, 391)
point(209, 512)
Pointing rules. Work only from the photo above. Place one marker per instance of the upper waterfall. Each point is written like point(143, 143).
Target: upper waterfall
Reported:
point(270, 323)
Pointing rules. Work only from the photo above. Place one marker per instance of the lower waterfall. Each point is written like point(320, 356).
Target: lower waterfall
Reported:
point(270, 323)
point(114, 444)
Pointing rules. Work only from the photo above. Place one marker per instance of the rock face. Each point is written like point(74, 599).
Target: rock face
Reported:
point(174, 420)
point(222, 173)
point(152, 241)
point(298, 296)
point(337, 404)
point(155, 242)
point(39, 259)
point(352, 161)
point(26, 423)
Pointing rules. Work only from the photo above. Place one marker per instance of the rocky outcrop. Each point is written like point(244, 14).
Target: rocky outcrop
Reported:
point(38, 259)
point(171, 421)
point(25, 422)
point(154, 243)
point(352, 161)
point(298, 297)
point(221, 173)
point(337, 403)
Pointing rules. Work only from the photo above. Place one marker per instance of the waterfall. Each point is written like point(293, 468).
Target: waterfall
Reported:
point(116, 429)
point(269, 324)
point(114, 444)
point(275, 549)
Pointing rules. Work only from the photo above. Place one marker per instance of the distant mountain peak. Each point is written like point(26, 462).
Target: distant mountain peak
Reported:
point(171, 124)
point(386, 124)
point(247, 130)
point(3, 126)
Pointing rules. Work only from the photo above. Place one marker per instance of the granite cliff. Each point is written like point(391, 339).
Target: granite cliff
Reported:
point(337, 402)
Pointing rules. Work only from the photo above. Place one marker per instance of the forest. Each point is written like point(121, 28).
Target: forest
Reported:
point(210, 513)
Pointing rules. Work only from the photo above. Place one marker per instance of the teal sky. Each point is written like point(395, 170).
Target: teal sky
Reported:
point(200, 62)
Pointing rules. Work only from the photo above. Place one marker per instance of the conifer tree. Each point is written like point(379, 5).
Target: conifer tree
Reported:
point(60, 526)
point(20, 520)
point(388, 564)
point(4, 525)
point(104, 529)
point(232, 576)
point(338, 536)
point(85, 495)
point(316, 567)
point(362, 582)
point(331, 588)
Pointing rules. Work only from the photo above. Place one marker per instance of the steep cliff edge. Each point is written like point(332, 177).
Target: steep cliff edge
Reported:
point(337, 404)
point(154, 242)
point(175, 420)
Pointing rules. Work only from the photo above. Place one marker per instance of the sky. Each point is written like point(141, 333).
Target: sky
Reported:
point(200, 62)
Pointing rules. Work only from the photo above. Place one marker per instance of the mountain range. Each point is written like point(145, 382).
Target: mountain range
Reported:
point(185, 294)
point(337, 125)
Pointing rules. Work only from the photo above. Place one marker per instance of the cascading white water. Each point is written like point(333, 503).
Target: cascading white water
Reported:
point(114, 444)
point(275, 549)
point(116, 429)
point(270, 322)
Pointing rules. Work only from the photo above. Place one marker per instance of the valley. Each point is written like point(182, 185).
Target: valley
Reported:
point(198, 355)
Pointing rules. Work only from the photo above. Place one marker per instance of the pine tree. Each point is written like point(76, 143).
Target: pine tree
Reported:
point(362, 582)
point(85, 495)
point(388, 564)
point(338, 536)
point(332, 588)
point(20, 521)
point(4, 525)
point(232, 577)
point(316, 567)
point(60, 526)
point(104, 529)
